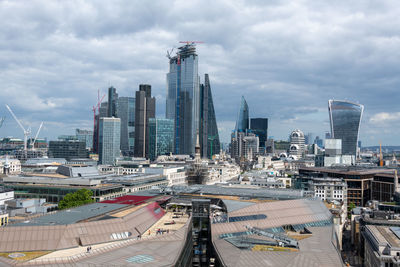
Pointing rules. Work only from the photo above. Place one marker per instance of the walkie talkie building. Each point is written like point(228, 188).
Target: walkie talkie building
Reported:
point(345, 118)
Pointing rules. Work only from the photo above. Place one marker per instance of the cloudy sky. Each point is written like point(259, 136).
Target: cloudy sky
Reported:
point(287, 58)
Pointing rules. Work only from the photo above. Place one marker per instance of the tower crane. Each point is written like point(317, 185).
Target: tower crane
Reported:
point(36, 136)
point(26, 132)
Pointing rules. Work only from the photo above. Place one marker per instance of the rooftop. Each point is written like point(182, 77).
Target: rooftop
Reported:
point(315, 248)
point(73, 215)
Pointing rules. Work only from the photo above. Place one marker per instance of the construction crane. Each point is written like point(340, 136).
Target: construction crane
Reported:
point(26, 132)
point(36, 136)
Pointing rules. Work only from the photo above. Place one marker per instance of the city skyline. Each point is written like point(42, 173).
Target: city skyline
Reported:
point(289, 60)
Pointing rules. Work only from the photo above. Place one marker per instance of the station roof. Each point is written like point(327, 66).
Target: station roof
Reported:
point(73, 215)
point(315, 250)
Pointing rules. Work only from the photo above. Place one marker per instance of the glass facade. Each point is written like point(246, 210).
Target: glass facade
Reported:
point(85, 136)
point(126, 112)
point(161, 137)
point(242, 123)
point(208, 134)
point(183, 98)
point(345, 118)
point(109, 140)
point(259, 126)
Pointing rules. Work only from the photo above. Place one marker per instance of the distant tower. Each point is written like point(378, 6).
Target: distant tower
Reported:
point(145, 108)
point(183, 98)
point(297, 141)
point(109, 140)
point(209, 138)
point(242, 123)
point(112, 102)
point(259, 126)
point(345, 119)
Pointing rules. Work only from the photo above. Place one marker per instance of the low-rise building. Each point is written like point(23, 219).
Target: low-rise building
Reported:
point(23, 206)
point(12, 165)
point(381, 246)
point(6, 194)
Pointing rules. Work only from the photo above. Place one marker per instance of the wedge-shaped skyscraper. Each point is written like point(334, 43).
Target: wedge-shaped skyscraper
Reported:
point(345, 118)
point(209, 138)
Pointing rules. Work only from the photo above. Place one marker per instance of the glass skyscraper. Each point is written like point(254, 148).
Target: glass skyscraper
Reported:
point(208, 134)
point(242, 123)
point(126, 112)
point(259, 126)
point(183, 98)
point(345, 118)
point(109, 140)
point(86, 136)
point(161, 137)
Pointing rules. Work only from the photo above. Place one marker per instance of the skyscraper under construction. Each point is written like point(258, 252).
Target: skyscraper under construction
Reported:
point(183, 98)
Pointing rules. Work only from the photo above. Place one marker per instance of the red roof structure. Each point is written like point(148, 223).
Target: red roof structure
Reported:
point(128, 200)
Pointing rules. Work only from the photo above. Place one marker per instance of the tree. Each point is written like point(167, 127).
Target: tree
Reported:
point(78, 198)
point(349, 209)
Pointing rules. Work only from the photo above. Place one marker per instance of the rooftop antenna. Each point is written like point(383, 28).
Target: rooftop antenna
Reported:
point(26, 132)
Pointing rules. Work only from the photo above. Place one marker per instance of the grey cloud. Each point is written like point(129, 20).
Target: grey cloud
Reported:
point(286, 57)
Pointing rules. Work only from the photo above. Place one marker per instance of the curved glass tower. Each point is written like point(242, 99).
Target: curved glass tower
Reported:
point(345, 118)
point(242, 123)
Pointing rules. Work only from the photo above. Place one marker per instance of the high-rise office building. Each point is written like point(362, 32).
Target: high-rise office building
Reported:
point(345, 118)
point(112, 102)
point(126, 112)
point(102, 113)
point(242, 123)
point(208, 133)
point(259, 126)
point(183, 98)
point(109, 140)
point(85, 136)
point(145, 108)
point(161, 137)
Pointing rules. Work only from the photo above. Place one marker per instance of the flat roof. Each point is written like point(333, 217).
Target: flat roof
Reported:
point(73, 215)
point(238, 191)
point(347, 170)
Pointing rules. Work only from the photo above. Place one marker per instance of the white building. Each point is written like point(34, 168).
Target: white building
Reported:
point(329, 189)
point(297, 144)
point(6, 195)
point(14, 165)
point(222, 172)
point(333, 154)
point(174, 175)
